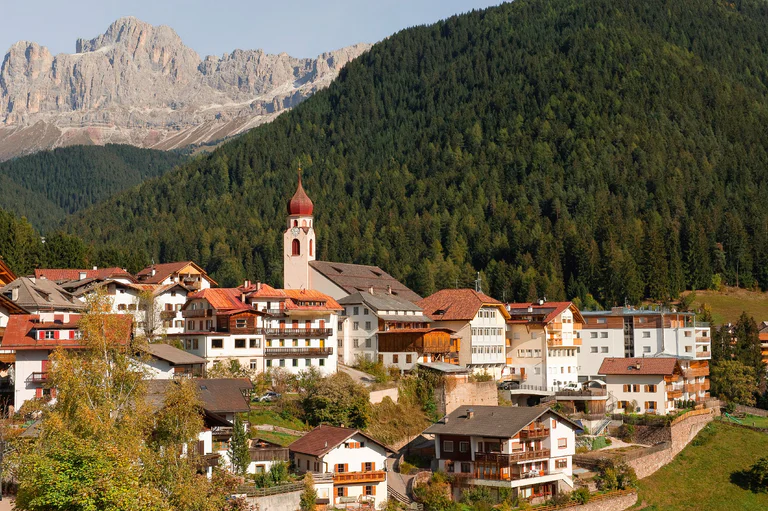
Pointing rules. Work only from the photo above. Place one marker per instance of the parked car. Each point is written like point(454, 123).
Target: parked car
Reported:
point(571, 386)
point(269, 397)
point(509, 385)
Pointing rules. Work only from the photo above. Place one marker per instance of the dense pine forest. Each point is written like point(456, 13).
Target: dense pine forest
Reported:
point(47, 186)
point(610, 148)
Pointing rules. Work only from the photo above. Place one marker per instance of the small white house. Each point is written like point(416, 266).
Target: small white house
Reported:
point(357, 462)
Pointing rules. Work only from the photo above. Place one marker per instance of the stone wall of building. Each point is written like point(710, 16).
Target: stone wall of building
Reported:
point(455, 394)
point(618, 503)
point(281, 502)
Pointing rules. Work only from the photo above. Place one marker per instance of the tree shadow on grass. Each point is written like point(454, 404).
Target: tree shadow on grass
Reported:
point(743, 479)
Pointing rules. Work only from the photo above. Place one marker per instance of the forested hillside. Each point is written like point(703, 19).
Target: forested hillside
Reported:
point(47, 186)
point(616, 147)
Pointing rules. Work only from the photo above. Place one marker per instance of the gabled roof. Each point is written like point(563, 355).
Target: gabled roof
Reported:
point(324, 438)
point(380, 301)
point(492, 421)
point(457, 305)
point(42, 294)
point(549, 310)
point(173, 355)
point(165, 270)
point(225, 395)
point(220, 298)
point(19, 333)
point(6, 275)
point(297, 299)
point(646, 366)
point(358, 277)
point(65, 274)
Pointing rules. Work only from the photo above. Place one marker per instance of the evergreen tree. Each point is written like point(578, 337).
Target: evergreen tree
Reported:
point(239, 448)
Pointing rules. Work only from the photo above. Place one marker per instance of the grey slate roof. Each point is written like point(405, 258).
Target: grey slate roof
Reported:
point(41, 294)
point(173, 355)
point(380, 301)
point(359, 277)
point(491, 421)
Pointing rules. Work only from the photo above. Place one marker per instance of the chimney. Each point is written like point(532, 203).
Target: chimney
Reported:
point(153, 272)
point(470, 413)
point(82, 275)
point(258, 286)
point(530, 308)
point(370, 289)
point(542, 300)
point(95, 268)
point(389, 289)
point(15, 294)
point(246, 284)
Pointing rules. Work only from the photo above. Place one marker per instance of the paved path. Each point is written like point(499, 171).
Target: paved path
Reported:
point(356, 375)
point(6, 504)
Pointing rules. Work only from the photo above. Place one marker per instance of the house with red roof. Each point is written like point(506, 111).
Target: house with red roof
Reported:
point(300, 327)
point(187, 273)
point(542, 345)
point(645, 385)
point(62, 275)
point(479, 323)
point(33, 337)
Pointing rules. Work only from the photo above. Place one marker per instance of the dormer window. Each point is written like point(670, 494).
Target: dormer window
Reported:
point(49, 334)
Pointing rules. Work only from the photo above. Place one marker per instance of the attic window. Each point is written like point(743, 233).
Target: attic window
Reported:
point(337, 269)
point(439, 312)
point(377, 273)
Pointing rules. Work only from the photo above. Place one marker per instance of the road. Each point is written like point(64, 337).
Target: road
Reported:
point(358, 376)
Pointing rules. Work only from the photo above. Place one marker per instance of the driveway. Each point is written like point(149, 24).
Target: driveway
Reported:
point(358, 376)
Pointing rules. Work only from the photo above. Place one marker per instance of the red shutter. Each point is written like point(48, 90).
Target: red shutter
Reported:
point(71, 334)
point(40, 335)
point(55, 334)
point(44, 365)
point(39, 392)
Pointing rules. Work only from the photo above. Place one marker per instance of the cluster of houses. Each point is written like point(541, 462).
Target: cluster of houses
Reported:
point(330, 314)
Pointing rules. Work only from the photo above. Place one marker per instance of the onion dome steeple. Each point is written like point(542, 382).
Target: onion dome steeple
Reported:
point(300, 203)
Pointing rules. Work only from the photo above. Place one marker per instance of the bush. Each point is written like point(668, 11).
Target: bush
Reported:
point(758, 476)
point(480, 377)
point(619, 476)
point(406, 468)
point(581, 495)
point(627, 432)
point(582, 449)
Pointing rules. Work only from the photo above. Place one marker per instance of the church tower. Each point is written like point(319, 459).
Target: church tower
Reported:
point(298, 241)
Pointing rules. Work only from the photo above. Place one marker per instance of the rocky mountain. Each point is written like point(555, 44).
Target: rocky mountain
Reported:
point(138, 84)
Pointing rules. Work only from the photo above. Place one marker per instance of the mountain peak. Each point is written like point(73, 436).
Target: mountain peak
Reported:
point(132, 33)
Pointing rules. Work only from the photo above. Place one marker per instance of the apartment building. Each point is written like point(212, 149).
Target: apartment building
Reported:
point(187, 273)
point(479, 323)
point(33, 337)
point(542, 345)
point(41, 295)
point(527, 450)
point(367, 314)
point(356, 461)
point(299, 327)
point(650, 385)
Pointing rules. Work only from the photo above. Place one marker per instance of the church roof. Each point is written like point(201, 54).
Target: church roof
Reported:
point(300, 203)
point(359, 277)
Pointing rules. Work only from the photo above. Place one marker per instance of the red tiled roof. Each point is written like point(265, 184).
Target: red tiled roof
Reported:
point(628, 366)
point(260, 290)
point(324, 438)
point(19, 332)
point(457, 304)
point(165, 270)
point(309, 295)
point(300, 203)
point(221, 298)
point(59, 274)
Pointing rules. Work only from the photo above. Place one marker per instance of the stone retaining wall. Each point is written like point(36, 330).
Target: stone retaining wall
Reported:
point(752, 411)
point(269, 427)
point(619, 503)
point(281, 502)
point(377, 396)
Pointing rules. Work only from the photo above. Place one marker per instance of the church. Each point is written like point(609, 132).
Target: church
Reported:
point(302, 271)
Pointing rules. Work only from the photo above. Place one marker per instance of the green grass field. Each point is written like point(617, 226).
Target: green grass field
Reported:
point(269, 414)
point(728, 305)
point(283, 439)
point(699, 478)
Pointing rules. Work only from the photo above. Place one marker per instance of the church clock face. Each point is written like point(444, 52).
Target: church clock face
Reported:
point(295, 231)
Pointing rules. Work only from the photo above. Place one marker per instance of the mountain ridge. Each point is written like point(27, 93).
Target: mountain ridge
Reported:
point(138, 84)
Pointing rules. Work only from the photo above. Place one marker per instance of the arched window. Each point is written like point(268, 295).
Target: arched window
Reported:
point(295, 223)
point(304, 223)
point(310, 247)
point(296, 248)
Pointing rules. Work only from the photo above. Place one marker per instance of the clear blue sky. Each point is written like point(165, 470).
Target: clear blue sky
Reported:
point(302, 28)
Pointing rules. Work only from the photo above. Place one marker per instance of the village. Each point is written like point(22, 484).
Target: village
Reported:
point(521, 385)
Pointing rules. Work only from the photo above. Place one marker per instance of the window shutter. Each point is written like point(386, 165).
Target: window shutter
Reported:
point(71, 334)
point(346, 467)
point(345, 491)
point(39, 392)
point(362, 467)
point(373, 489)
point(44, 366)
point(55, 334)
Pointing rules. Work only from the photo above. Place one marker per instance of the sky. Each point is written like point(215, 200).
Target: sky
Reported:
point(301, 28)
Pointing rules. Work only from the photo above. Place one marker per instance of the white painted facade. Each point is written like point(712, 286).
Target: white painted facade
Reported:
point(639, 393)
point(27, 363)
point(299, 248)
point(354, 458)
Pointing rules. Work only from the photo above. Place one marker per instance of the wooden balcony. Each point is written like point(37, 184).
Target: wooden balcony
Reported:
point(274, 312)
point(528, 434)
point(577, 326)
point(582, 393)
point(511, 459)
point(38, 377)
point(576, 341)
point(166, 315)
point(297, 332)
point(298, 351)
point(197, 313)
point(705, 385)
point(695, 372)
point(674, 394)
point(375, 476)
point(703, 354)
point(554, 341)
point(555, 326)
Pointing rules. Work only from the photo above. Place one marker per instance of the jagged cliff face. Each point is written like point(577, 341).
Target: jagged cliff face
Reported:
point(139, 84)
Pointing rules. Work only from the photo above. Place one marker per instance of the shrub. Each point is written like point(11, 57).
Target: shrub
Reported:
point(406, 468)
point(581, 495)
point(758, 476)
point(582, 449)
point(627, 432)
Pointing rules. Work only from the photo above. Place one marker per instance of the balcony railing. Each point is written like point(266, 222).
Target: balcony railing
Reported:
point(374, 476)
point(166, 315)
point(197, 313)
point(274, 312)
point(38, 377)
point(582, 393)
point(323, 352)
point(270, 454)
point(510, 459)
point(675, 394)
point(703, 354)
point(512, 476)
point(297, 332)
point(534, 433)
point(695, 372)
